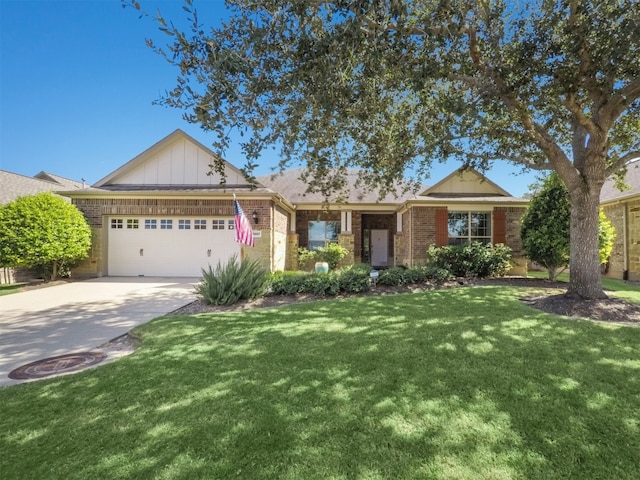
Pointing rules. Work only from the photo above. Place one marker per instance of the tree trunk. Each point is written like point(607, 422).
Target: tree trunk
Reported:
point(54, 270)
point(584, 261)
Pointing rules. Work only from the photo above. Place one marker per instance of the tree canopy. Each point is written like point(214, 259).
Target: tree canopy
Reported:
point(42, 230)
point(389, 86)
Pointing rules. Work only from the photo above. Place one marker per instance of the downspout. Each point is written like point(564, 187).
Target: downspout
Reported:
point(273, 237)
point(625, 246)
point(411, 237)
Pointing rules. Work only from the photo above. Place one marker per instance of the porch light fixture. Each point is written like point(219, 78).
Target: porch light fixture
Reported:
point(254, 215)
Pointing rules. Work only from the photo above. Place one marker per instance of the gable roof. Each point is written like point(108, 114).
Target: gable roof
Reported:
point(178, 160)
point(610, 193)
point(14, 185)
point(465, 182)
point(64, 182)
point(289, 184)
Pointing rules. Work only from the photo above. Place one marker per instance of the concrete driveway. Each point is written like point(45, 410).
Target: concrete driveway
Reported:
point(81, 316)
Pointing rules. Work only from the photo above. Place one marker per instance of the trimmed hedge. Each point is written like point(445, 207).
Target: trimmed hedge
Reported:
point(354, 279)
point(473, 260)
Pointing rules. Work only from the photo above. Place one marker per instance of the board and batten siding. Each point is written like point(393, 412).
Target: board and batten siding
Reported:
point(180, 163)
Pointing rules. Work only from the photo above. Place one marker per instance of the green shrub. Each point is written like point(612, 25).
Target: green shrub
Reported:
point(332, 253)
point(322, 284)
point(288, 283)
point(232, 282)
point(306, 258)
point(438, 275)
point(355, 279)
point(348, 280)
point(419, 274)
point(392, 276)
point(472, 260)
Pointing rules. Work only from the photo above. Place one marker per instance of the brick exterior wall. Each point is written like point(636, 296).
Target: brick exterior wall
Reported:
point(615, 214)
point(15, 275)
point(94, 264)
point(95, 208)
point(356, 230)
point(277, 250)
point(419, 232)
point(403, 242)
point(513, 224)
point(616, 263)
point(281, 220)
point(96, 211)
point(261, 251)
point(291, 262)
point(423, 233)
point(513, 217)
point(347, 240)
point(303, 217)
point(633, 229)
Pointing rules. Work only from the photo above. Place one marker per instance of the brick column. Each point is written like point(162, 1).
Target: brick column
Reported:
point(347, 240)
point(291, 262)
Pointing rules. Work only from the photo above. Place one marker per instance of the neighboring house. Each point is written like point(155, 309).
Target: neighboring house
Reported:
point(13, 186)
point(164, 214)
point(622, 208)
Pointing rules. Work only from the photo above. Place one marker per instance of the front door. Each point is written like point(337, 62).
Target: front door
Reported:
point(380, 248)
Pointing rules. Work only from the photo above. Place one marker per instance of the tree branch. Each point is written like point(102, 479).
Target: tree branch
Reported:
point(621, 101)
point(621, 162)
point(572, 105)
point(485, 157)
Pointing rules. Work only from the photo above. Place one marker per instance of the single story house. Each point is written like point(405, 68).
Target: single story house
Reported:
point(164, 213)
point(622, 208)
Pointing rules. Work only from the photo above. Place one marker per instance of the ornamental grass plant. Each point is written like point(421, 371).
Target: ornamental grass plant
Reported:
point(233, 282)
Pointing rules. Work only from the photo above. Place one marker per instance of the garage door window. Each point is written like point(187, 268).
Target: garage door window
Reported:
point(166, 224)
point(199, 224)
point(132, 223)
point(184, 224)
point(217, 224)
point(117, 223)
point(150, 224)
point(231, 224)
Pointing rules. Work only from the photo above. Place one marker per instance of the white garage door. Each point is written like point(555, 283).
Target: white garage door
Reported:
point(169, 246)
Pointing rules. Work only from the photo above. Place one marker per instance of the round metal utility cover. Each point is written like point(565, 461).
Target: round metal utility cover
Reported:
point(71, 362)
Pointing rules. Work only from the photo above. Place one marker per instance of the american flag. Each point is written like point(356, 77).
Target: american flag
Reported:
point(244, 232)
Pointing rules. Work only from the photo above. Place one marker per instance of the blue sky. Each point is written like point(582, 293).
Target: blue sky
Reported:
point(78, 82)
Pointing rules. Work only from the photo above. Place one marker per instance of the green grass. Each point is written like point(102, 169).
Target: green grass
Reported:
point(617, 288)
point(453, 384)
point(7, 289)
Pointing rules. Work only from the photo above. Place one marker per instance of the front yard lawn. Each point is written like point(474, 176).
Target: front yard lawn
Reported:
point(628, 291)
point(464, 383)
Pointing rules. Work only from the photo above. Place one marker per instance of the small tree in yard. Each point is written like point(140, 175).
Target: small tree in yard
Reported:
point(546, 225)
point(42, 230)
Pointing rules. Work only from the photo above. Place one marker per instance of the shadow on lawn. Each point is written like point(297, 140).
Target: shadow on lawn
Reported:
point(464, 383)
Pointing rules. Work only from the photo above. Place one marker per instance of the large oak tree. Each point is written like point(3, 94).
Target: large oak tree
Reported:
point(389, 86)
